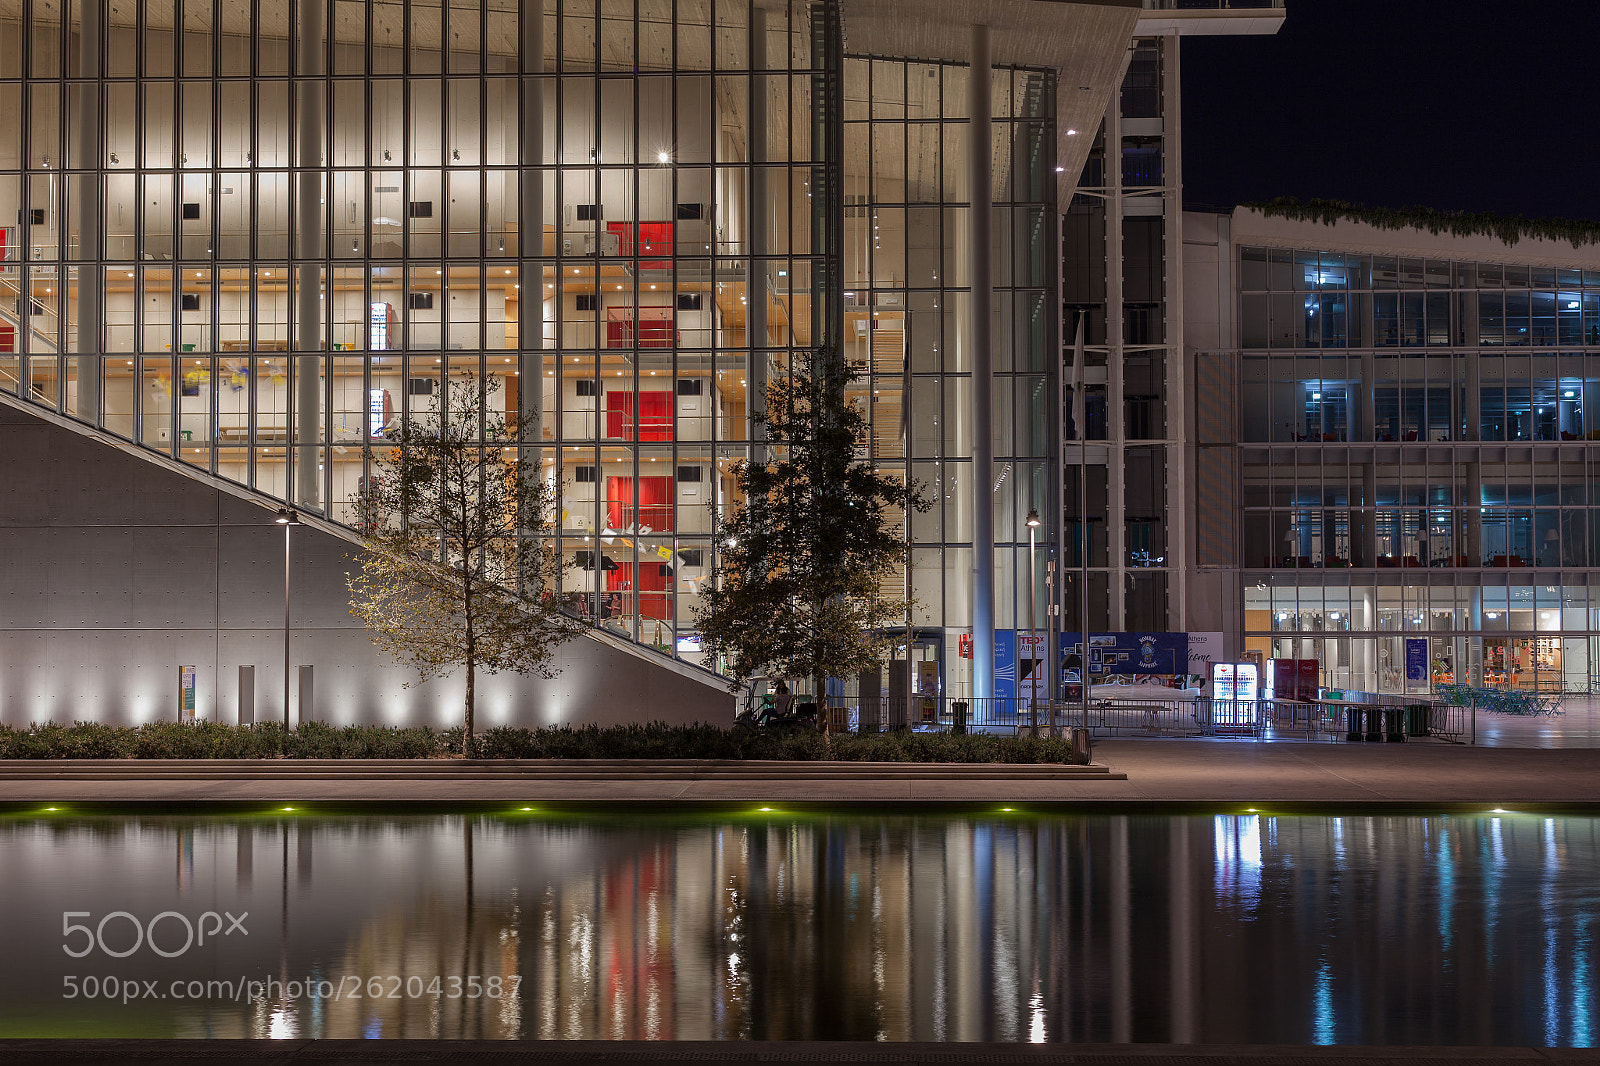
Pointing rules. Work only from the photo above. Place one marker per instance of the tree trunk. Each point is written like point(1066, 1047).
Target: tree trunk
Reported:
point(819, 685)
point(472, 695)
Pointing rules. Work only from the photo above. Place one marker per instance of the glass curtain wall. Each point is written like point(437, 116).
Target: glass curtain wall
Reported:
point(255, 236)
point(907, 318)
point(1417, 427)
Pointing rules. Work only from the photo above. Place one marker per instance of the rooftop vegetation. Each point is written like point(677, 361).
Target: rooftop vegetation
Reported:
point(1508, 229)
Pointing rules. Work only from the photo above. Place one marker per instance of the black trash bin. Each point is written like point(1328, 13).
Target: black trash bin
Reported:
point(1352, 723)
point(958, 713)
point(1416, 720)
point(1394, 724)
point(1374, 724)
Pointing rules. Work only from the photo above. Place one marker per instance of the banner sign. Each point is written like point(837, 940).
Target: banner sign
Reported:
point(1132, 653)
point(1416, 660)
point(185, 693)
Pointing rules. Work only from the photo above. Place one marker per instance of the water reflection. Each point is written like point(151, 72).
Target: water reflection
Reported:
point(1249, 928)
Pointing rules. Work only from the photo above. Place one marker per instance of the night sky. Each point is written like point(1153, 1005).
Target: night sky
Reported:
point(1468, 106)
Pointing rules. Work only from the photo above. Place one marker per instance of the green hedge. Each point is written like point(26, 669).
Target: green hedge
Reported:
point(1508, 229)
point(211, 740)
point(660, 741)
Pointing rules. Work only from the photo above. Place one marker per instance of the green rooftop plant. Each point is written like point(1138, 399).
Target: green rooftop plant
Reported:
point(1508, 229)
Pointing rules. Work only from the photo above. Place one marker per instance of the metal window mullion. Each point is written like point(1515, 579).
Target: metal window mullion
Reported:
point(674, 370)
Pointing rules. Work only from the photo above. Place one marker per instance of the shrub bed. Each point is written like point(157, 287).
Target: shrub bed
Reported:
point(317, 740)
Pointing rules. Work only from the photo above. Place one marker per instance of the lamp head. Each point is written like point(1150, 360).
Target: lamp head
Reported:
point(287, 516)
point(1033, 518)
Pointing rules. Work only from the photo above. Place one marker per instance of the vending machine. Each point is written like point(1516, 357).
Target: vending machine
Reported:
point(1234, 691)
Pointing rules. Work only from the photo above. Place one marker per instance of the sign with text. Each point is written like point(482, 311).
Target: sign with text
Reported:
point(185, 693)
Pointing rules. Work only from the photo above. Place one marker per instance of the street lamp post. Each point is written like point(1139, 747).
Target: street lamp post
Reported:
point(1033, 633)
point(288, 519)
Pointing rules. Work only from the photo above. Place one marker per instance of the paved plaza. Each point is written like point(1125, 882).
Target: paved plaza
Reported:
point(1130, 772)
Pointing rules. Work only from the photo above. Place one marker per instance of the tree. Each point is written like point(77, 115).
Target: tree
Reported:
point(454, 571)
point(803, 554)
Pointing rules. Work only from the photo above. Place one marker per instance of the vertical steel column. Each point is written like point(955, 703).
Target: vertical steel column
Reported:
point(310, 45)
point(1180, 448)
point(980, 187)
point(86, 208)
point(755, 221)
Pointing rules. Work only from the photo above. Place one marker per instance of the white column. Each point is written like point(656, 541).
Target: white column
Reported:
point(980, 185)
point(756, 216)
point(310, 47)
point(86, 215)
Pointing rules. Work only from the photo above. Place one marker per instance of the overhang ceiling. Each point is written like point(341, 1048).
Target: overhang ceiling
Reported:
point(1084, 43)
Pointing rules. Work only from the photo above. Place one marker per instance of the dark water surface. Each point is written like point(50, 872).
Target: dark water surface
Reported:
point(767, 925)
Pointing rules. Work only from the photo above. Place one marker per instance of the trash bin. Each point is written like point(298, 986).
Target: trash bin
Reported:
point(1082, 746)
point(1417, 720)
point(958, 712)
point(1394, 724)
point(1374, 724)
point(1352, 723)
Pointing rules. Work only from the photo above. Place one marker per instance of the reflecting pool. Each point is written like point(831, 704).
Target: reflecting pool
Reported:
point(1243, 927)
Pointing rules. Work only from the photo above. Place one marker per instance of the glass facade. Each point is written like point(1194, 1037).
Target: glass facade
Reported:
point(1416, 460)
point(254, 237)
point(1118, 236)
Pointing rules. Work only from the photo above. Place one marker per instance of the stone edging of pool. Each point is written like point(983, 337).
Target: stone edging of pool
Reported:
point(731, 1053)
point(1127, 773)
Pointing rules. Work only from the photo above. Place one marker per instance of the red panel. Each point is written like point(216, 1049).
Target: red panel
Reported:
point(619, 415)
point(652, 506)
point(644, 238)
point(639, 327)
point(654, 421)
point(8, 337)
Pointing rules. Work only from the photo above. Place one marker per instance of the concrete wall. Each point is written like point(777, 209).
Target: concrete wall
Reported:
point(115, 571)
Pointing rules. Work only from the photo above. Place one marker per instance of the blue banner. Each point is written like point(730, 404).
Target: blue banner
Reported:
point(1416, 660)
point(1005, 663)
point(1131, 653)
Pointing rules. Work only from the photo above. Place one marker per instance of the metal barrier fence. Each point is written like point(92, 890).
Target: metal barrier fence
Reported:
point(1378, 718)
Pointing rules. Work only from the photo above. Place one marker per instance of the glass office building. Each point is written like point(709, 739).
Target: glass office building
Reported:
point(1418, 467)
point(255, 236)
